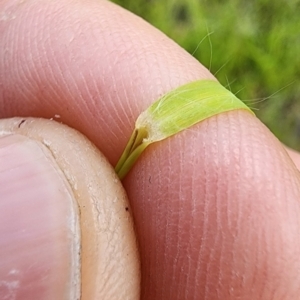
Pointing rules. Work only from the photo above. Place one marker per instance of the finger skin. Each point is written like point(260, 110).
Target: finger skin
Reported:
point(217, 206)
point(51, 70)
point(229, 207)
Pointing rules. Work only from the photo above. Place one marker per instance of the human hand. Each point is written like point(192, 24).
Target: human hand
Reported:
point(216, 207)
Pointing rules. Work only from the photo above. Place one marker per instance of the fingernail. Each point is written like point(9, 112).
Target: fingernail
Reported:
point(39, 231)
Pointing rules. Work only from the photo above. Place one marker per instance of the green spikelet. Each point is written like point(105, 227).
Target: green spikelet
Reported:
point(174, 112)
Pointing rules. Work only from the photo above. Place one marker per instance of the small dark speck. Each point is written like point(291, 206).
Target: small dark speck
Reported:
point(150, 179)
point(23, 121)
point(126, 208)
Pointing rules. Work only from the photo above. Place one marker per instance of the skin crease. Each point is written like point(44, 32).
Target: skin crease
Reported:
point(216, 207)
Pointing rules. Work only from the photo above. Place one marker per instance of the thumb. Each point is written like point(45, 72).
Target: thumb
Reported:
point(65, 224)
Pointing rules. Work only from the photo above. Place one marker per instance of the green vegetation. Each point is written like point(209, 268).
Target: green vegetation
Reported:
point(252, 47)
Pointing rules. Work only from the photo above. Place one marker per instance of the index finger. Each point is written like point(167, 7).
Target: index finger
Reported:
point(93, 65)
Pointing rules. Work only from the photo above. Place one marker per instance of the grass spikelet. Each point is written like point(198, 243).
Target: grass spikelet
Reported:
point(174, 112)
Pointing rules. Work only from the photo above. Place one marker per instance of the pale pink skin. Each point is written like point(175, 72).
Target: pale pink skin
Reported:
point(217, 206)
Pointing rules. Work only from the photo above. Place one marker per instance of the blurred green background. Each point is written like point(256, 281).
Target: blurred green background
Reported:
point(252, 47)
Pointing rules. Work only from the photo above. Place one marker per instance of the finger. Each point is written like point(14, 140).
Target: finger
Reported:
point(216, 206)
point(65, 226)
point(219, 206)
point(88, 65)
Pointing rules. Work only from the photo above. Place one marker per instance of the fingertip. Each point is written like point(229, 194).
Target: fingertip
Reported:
point(93, 63)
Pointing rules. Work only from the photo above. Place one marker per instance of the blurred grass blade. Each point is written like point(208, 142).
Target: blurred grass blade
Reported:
point(174, 112)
